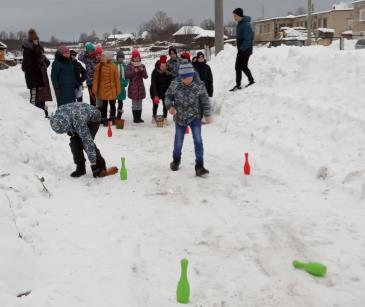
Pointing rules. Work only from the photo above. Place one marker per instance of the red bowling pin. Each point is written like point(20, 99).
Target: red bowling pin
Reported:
point(247, 167)
point(110, 132)
point(187, 130)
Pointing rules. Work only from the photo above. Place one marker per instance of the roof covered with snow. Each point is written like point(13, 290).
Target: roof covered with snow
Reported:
point(121, 37)
point(2, 45)
point(207, 34)
point(326, 30)
point(189, 30)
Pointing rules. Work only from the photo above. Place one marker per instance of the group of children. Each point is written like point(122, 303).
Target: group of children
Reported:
point(183, 86)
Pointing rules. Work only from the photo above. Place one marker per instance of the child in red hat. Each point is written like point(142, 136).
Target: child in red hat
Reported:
point(160, 81)
point(135, 73)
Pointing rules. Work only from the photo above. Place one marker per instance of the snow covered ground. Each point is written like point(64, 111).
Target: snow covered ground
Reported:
point(104, 242)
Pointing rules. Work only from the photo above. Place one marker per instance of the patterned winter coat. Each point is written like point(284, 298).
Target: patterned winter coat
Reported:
point(189, 100)
point(106, 83)
point(122, 68)
point(136, 89)
point(173, 66)
point(90, 63)
point(74, 118)
point(63, 78)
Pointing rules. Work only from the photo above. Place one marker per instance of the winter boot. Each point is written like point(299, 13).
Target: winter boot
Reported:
point(235, 88)
point(135, 116)
point(80, 171)
point(250, 83)
point(139, 116)
point(174, 165)
point(200, 170)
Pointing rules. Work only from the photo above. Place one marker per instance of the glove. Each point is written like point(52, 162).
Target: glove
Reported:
point(57, 91)
point(156, 100)
point(97, 171)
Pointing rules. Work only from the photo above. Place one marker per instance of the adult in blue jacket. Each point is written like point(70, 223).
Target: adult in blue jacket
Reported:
point(63, 77)
point(244, 45)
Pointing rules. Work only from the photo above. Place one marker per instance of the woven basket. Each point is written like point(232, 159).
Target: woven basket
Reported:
point(159, 121)
point(119, 123)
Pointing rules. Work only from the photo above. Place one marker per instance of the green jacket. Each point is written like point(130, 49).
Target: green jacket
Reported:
point(122, 68)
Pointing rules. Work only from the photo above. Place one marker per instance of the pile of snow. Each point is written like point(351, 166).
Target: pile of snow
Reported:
point(92, 242)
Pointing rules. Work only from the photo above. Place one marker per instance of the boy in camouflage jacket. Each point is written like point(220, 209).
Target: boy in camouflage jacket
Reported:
point(81, 122)
point(185, 99)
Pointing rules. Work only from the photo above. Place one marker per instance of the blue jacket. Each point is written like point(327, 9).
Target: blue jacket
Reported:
point(63, 78)
point(73, 118)
point(244, 34)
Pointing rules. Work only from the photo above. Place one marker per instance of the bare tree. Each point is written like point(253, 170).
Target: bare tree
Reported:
point(83, 38)
point(207, 24)
point(114, 31)
point(300, 11)
point(3, 35)
point(105, 36)
point(54, 41)
point(12, 36)
point(21, 35)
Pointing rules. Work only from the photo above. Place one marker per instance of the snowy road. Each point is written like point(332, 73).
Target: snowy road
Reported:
point(112, 243)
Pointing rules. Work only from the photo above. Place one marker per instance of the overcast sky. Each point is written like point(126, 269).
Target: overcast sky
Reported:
point(66, 19)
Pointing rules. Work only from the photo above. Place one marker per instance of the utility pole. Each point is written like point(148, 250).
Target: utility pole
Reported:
point(219, 28)
point(309, 21)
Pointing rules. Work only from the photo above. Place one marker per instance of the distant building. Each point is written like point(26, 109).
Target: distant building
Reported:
point(3, 48)
point(359, 17)
point(195, 35)
point(120, 37)
point(335, 20)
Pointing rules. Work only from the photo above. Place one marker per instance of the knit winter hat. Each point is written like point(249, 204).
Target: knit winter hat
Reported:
point(238, 11)
point(163, 59)
point(89, 47)
point(186, 70)
point(199, 54)
point(186, 55)
point(109, 55)
point(98, 51)
point(120, 54)
point(172, 50)
point(63, 50)
point(135, 54)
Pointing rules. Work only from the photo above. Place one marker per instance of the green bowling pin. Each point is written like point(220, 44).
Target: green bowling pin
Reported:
point(183, 288)
point(314, 268)
point(123, 171)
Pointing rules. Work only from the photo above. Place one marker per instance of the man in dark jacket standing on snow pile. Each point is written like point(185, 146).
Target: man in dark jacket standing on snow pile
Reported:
point(244, 45)
point(81, 122)
point(185, 98)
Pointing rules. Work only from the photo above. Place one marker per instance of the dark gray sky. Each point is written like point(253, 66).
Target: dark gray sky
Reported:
point(66, 19)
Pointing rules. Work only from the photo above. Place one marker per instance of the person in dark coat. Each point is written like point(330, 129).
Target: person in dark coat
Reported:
point(80, 75)
point(63, 77)
point(204, 71)
point(160, 81)
point(81, 122)
point(35, 65)
point(244, 46)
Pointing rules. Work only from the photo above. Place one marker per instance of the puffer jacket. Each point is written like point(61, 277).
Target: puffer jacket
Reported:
point(136, 88)
point(63, 78)
point(106, 83)
point(90, 64)
point(74, 119)
point(189, 100)
point(244, 34)
point(160, 82)
point(31, 64)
